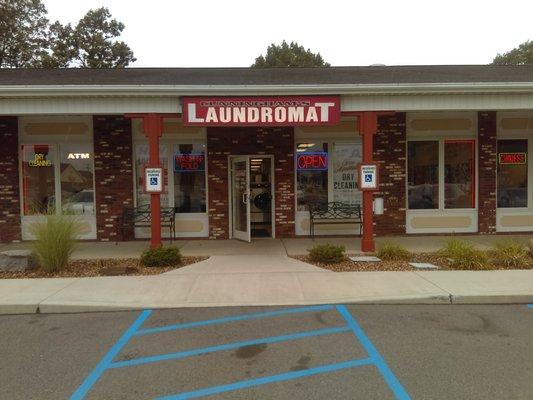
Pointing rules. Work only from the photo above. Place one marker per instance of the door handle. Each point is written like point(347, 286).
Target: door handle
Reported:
point(245, 198)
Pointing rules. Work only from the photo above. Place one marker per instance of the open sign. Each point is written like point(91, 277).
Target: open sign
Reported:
point(312, 161)
point(189, 162)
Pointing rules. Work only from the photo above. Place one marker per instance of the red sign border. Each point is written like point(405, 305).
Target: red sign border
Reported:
point(334, 120)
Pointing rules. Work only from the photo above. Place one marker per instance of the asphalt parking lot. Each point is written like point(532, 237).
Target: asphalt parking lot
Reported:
point(314, 352)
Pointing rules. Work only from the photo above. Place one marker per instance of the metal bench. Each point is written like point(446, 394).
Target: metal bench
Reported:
point(141, 217)
point(334, 213)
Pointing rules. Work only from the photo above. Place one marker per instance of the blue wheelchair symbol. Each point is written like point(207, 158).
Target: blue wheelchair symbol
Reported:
point(153, 181)
point(368, 177)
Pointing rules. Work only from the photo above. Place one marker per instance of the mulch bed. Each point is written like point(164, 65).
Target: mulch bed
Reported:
point(100, 267)
point(444, 264)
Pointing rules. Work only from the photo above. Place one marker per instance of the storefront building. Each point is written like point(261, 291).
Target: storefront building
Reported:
point(244, 151)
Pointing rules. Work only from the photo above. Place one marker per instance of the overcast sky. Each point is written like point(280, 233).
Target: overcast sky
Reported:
point(231, 33)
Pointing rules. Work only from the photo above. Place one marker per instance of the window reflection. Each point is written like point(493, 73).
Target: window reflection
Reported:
point(459, 174)
point(38, 179)
point(312, 184)
point(512, 173)
point(77, 193)
point(423, 174)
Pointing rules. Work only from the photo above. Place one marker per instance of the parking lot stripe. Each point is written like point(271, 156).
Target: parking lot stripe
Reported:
point(229, 346)
point(233, 318)
point(530, 305)
point(269, 379)
point(394, 385)
point(108, 358)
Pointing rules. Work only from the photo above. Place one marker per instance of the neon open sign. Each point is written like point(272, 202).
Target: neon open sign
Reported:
point(189, 162)
point(512, 158)
point(312, 161)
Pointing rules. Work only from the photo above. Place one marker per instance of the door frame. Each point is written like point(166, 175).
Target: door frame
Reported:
point(272, 192)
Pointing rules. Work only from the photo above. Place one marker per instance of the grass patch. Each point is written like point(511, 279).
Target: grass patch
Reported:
point(161, 256)
point(327, 253)
point(510, 254)
point(463, 255)
point(55, 239)
point(393, 252)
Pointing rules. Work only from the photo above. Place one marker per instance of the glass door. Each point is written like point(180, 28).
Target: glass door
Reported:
point(240, 197)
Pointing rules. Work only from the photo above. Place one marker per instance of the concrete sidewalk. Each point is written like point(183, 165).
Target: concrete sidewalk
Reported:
point(272, 288)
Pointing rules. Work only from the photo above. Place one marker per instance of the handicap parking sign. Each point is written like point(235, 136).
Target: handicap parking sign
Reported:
point(368, 177)
point(153, 181)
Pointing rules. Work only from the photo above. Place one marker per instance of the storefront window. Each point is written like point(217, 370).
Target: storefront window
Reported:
point(512, 173)
point(459, 174)
point(346, 156)
point(312, 174)
point(189, 178)
point(76, 169)
point(38, 179)
point(423, 174)
point(142, 156)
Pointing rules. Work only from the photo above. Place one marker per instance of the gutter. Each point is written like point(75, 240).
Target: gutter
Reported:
point(196, 90)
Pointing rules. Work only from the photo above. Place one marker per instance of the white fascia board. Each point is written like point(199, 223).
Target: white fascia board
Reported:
point(195, 90)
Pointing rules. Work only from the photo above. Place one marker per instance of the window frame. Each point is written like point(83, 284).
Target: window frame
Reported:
point(56, 145)
point(442, 140)
point(170, 143)
point(518, 136)
point(330, 142)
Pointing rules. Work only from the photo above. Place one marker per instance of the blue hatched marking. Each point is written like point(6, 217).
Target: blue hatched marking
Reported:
point(530, 306)
point(134, 330)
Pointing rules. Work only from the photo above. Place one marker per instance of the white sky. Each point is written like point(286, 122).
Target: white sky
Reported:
point(231, 33)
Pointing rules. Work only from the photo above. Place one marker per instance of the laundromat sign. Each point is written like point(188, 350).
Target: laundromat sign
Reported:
point(261, 111)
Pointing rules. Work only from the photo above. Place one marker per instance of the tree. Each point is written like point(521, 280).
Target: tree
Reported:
point(28, 40)
point(23, 33)
point(94, 40)
point(289, 55)
point(523, 54)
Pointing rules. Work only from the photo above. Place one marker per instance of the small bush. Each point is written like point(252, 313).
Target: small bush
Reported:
point(510, 254)
point(161, 256)
point(327, 253)
point(393, 252)
point(55, 239)
point(464, 255)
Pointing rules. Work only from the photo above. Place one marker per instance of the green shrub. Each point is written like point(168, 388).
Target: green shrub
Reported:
point(55, 239)
point(464, 255)
point(393, 252)
point(510, 254)
point(326, 253)
point(161, 256)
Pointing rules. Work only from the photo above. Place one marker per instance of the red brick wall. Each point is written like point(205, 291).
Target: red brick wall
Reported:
point(222, 142)
point(487, 171)
point(390, 153)
point(113, 172)
point(9, 181)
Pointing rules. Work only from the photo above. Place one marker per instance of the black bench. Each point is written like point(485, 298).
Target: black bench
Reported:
point(334, 213)
point(141, 217)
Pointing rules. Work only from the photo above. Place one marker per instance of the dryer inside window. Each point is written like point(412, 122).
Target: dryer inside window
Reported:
point(261, 197)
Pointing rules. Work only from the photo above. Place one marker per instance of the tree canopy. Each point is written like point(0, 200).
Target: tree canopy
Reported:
point(523, 54)
point(28, 39)
point(289, 55)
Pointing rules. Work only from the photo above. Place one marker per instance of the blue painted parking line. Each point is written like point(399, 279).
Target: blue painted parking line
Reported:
point(391, 380)
point(530, 305)
point(269, 379)
point(374, 358)
point(229, 346)
point(97, 372)
point(233, 318)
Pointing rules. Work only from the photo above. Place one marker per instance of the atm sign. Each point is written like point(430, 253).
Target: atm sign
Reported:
point(512, 158)
point(312, 161)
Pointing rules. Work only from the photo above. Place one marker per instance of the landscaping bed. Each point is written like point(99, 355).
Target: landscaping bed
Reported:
point(346, 265)
point(100, 267)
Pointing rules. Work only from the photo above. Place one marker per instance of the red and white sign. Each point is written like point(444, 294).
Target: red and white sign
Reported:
point(512, 158)
point(368, 176)
point(261, 111)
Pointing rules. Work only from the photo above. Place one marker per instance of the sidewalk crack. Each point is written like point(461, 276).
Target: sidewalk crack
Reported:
point(450, 296)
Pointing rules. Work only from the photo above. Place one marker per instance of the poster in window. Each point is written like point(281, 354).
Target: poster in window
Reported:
point(346, 156)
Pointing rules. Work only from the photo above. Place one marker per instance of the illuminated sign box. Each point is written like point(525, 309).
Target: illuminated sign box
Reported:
point(312, 161)
point(512, 158)
point(189, 162)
